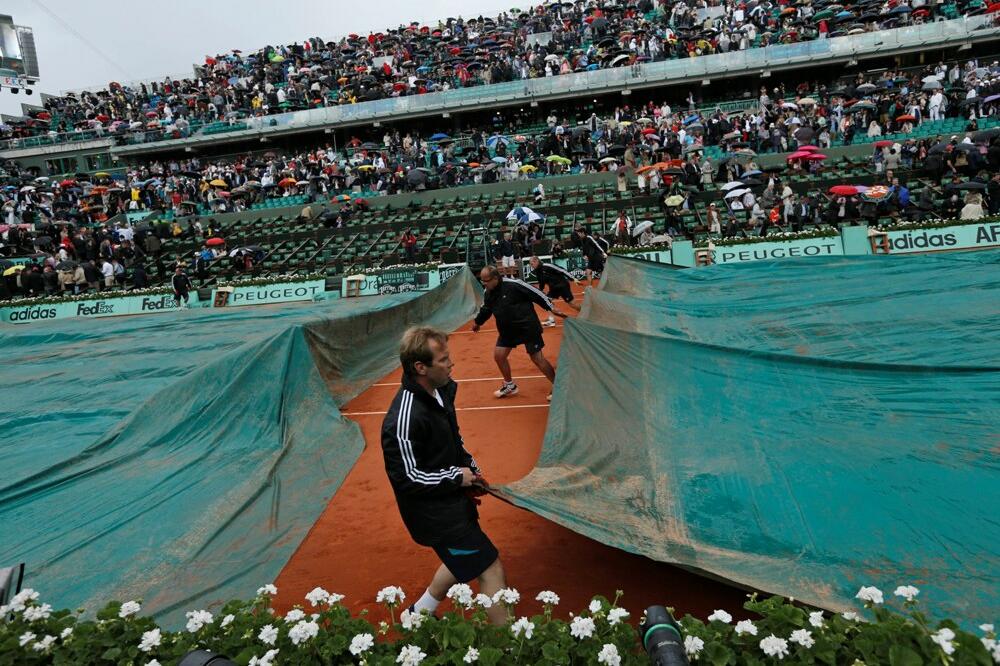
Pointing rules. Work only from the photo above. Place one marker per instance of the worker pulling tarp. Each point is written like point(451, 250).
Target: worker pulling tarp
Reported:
point(181, 459)
point(801, 427)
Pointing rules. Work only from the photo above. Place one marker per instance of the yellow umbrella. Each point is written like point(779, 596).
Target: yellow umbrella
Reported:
point(102, 174)
point(527, 168)
point(218, 182)
point(365, 167)
point(12, 270)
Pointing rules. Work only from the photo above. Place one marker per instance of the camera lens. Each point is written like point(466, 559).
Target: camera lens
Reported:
point(662, 638)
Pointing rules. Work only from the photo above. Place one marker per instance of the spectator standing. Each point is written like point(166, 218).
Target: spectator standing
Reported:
point(181, 284)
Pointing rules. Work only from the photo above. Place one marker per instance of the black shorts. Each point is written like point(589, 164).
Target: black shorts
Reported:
point(468, 556)
point(595, 264)
point(563, 291)
point(532, 341)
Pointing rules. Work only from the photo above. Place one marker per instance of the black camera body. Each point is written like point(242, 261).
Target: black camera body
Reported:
point(662, 638)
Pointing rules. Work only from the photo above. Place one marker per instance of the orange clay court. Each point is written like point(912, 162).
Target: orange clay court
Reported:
point(359, 543)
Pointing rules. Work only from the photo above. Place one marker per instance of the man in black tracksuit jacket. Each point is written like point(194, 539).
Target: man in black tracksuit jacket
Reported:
point(433, 477)
point(512, 303)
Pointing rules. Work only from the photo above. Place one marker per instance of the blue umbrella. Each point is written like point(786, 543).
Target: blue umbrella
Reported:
point(423, 69)
point(493, 140)
point(901, 9)
point(439, 137)
point(690, 119)
point(845, 15)
point(591, 68)
point(500, 160)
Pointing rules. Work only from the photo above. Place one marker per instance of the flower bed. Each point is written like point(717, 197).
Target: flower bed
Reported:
point(827, 232)
point(936, 224)
point(277, 279)
point(322, 631)
point(375, 270)
point(88, 296)
point(642, 249)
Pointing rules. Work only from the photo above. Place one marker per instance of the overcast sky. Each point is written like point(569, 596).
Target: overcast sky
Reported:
point(87, 45)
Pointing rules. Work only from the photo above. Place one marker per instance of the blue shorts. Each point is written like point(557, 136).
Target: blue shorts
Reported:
point(468, 556)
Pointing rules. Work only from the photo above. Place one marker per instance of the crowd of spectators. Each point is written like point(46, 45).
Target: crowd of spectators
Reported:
point(547, 40)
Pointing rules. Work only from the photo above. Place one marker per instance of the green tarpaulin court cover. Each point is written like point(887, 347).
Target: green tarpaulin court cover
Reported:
point(181, 458)
point(803, 427)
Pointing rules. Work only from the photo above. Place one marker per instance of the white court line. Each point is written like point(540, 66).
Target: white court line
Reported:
point(477, 379)
point(459, 409)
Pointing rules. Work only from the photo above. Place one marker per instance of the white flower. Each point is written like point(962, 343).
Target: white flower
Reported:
point(548, 597)
point(26, 638)
point(774, 646)
point(267, 589)
point(303, 631)
point(720, 616)
point(198, 619)
point(266, 660)
point(268, 634)
point(361, 644)
point(294, 615)
point(582, 627)
point(746, 627)
point(508, 596)
point(803, 637)
point(153, 662)
point(461, 595)
point(908, 592)
point(484, 600)
point(988, 643)
point(993, 648)
point(410, 655)
point(44, 644)
point(869, 594)
point(226, 621)
point(66, 633)
point(523, 626)
point(594, 606)
point(471, 655)
point(609, 655)
point(816, 619)
point(33, 613)
point(318, 596)
point(693, 645)
point(129, 608)
point(21, 599)
point(986, 628)
point(412, 621)
point(616, 615)
point(850, 616)
point(334, 598)
point(150, 640)
point(944, 638)
point(390, 595)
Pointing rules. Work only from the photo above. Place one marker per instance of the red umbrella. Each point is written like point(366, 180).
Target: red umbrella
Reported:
point(649, 130)
point(807, 149)
point(214, 242)
point(884, 143)
point(286, 182)
point(995, 7)
point(906, 117)
point(798, 156)
point(103, 118)
point(844, 190)
point(67, 183)
point(816, 157)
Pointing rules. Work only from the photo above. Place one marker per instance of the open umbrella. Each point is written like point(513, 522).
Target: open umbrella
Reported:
point(933, 84)
point(288, 182)
point(641, 227)
point(674, 200)
point(12, 270)
point(218, 182)
point(732, 194)
point(906, 118)
point(884, 143)
point(215, 242)
point(844, 190)
point(66, 265)
point(731, 185)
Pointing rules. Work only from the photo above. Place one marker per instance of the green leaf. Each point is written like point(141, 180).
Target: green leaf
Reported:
point(490, 656)
point(111, 653)
point(901, 655)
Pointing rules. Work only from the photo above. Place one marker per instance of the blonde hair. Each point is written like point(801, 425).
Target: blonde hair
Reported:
point(415, 347)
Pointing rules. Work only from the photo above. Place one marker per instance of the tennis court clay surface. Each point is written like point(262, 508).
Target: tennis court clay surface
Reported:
point(359, 544)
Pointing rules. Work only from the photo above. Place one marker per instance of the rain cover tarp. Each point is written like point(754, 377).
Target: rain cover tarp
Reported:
point(181, 458)
point(799, 427)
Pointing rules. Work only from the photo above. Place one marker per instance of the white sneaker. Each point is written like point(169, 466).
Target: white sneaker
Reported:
point(550, 322)
point(505, 390)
